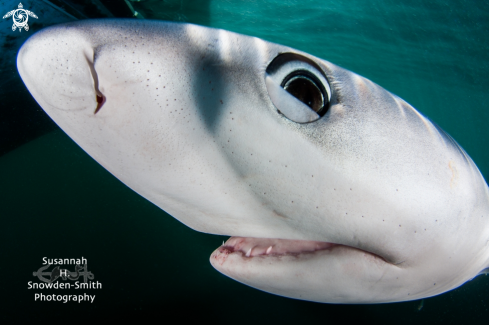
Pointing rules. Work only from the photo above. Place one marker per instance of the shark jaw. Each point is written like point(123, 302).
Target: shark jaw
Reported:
point(290, 268)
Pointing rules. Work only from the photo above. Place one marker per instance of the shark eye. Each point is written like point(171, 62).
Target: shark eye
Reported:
point(297, 88)
point(305, 89)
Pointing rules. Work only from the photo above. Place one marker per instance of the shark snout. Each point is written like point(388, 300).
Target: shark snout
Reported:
point(57, 66)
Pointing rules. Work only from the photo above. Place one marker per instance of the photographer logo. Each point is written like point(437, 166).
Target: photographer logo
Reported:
point(62, 278)
point(20, 17)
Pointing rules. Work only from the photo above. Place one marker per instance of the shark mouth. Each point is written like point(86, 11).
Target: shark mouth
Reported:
point(248, 247)
point(251, 247)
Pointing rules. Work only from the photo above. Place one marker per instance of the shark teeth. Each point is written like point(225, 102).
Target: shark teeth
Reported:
point(251, 247)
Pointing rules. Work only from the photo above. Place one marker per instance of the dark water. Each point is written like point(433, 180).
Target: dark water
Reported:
point(57, 202)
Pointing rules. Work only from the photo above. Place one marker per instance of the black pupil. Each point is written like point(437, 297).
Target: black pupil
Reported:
point(305, 90)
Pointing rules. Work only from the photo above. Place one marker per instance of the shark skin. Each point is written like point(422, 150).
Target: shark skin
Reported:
point(334, 189)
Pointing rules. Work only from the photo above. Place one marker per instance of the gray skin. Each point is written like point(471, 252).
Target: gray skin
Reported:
point(190, 122)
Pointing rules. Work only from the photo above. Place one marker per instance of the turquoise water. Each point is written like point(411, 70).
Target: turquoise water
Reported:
point(58, 202)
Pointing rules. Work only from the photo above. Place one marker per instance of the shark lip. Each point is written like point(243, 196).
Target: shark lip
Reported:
point(252, 247)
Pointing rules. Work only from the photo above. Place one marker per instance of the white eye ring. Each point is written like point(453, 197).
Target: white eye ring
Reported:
point(298, 90)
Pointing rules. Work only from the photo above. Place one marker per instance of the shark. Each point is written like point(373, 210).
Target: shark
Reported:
point(332, 188)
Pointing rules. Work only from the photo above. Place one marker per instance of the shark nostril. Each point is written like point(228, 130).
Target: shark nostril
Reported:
point(100, 102)
point(99, 97)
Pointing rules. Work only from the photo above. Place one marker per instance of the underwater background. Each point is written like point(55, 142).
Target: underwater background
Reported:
point(57, 202)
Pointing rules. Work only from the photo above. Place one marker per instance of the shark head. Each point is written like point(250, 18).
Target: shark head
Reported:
point(334, 189)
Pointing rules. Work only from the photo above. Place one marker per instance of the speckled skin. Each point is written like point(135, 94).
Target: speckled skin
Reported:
point(188, 124)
